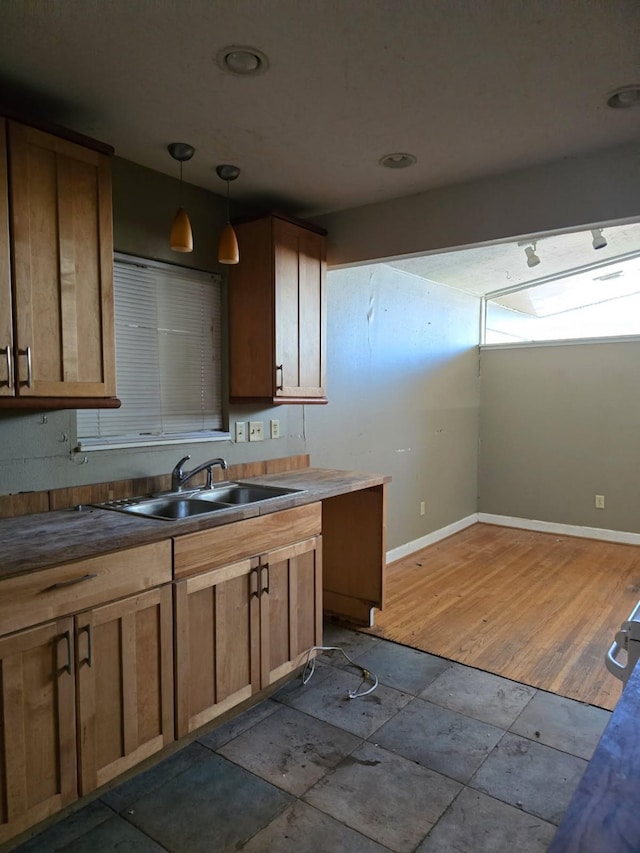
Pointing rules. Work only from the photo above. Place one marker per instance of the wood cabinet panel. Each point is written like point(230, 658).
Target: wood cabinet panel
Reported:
point(217, 643)
point(38, 730)
point(291, 607)
point(125, 684)
point(354, 566)
point(277, 316)
point(197, 552)
point(62, 241)
point(6, 311)
point(241, 627)
point(39, 596)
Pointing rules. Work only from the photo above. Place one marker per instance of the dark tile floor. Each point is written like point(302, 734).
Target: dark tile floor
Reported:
point(440, 757)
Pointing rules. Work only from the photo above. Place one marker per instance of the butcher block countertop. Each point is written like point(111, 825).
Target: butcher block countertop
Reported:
point(41, 540)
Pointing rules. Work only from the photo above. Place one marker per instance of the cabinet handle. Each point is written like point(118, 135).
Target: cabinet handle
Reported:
point(254, 592)
point(70, 582)
point(67, 637)
point(9, 382)
point(89, 658)
point(27, 352)
point(266, 588)
point(279, 367)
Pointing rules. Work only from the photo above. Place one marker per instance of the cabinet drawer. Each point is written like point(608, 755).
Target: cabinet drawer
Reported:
point(39, 596)
point(207, 549)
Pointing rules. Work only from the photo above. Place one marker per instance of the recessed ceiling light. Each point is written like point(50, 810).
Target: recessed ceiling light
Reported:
point(243, 61)
point(397, 161)
point(624, 97)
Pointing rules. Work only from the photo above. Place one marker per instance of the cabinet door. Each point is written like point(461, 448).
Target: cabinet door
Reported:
point(125, 684)
point(217, 642)
point(6, 331)
point(290, 607)
point(300, 266)
point(62, 238)
point(38, 734)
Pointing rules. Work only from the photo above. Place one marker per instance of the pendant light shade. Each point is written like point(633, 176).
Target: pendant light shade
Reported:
point(228, 252)
point(181, 239)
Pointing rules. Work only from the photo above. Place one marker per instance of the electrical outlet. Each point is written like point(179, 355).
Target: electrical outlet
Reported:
point(423, 508)
point(255, 431)
point(275, 428)
point(599, 501)
point(241, 431)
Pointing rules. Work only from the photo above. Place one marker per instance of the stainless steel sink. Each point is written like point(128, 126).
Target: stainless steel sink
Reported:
point(178, 505)
point(170, 508)
point(242, 493)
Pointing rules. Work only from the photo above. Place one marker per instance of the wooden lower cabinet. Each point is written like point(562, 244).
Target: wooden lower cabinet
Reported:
point(241, 627)
point(124, 684)
point(38, 725)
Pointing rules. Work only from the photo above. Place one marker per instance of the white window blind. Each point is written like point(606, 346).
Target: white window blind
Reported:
point(168, 356)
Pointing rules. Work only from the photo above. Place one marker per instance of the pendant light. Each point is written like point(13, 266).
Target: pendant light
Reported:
point(181, 239)
point(228, 252)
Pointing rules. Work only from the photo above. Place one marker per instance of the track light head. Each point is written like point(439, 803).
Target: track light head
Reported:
point(532, 259)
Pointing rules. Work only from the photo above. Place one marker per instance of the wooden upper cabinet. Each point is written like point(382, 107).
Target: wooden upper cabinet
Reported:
point(62, 265)
point(277, 313)
point(6, 313)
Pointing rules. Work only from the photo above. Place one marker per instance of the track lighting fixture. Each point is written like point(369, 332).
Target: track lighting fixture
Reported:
point(228, 252)
point(181, 239)
point(599, 241)
point(532, 259)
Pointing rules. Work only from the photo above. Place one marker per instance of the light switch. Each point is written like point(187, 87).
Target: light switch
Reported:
point(241, 432)
point(255, 431)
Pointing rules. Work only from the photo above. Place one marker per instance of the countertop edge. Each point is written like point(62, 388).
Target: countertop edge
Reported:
point(31, 543)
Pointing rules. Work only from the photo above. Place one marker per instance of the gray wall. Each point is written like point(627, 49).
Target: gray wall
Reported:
point(402, 366)
point(568, 194)
point(558, 425)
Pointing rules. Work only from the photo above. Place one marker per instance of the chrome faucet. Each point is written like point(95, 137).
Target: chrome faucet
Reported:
point(180, 477)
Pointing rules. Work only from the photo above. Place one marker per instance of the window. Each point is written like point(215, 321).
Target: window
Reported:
point(168, 359)
point(602, 301)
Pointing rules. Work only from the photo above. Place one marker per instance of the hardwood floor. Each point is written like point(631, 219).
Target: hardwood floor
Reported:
point(539, 608)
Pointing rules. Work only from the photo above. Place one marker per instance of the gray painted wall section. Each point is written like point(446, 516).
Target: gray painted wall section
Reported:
point(567, 194)
point(402, 362)
point(558, 425)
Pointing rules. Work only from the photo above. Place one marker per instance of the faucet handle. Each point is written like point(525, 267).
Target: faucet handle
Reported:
point(178, 468)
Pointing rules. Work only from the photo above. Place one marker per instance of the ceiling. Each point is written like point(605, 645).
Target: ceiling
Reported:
point(485, 269)
point(471, 89)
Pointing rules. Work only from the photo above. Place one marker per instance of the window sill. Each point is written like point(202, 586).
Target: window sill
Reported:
point(129, 441)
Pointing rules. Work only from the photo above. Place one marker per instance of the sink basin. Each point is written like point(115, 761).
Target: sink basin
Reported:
point(177, 505)
point(243, 493)
point(171, 508)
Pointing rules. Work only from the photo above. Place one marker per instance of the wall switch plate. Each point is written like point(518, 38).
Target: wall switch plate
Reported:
point(275, 428)
point(241, 431)
point(599, 501)
point(423, 508)
point(255, 431)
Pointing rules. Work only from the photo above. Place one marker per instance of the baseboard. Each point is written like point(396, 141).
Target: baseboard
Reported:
point(431, 538)
point(565, 529)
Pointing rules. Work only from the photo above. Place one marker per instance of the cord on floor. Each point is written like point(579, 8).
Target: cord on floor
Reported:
point(367, 675)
